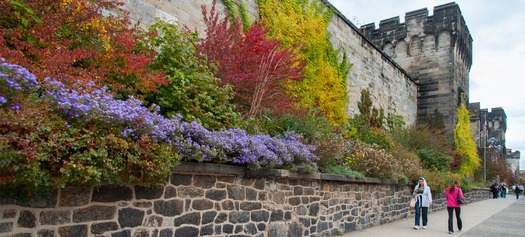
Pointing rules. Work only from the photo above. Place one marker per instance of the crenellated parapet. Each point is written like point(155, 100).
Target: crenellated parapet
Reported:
point(419, 24)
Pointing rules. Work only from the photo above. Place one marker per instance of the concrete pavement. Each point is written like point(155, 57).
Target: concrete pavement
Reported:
point(491, 217)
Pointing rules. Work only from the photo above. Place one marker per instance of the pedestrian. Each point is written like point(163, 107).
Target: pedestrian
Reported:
point(451, 193)
point(494, 190)
point(517, 191)
point(423, 201)
point(503, 190)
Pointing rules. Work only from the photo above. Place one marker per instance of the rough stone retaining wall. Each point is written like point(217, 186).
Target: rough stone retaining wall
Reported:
point(215, 200)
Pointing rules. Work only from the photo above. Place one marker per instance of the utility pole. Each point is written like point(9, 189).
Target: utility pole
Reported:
point(485, 131)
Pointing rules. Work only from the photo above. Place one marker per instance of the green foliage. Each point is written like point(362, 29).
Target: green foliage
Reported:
point(464, 143)
point(360, 130)
point(372, 116)
point(303, 24)
point(239, 11)
point(193, 90)
point(434, 160)
point(54, 152)
point(335, 169)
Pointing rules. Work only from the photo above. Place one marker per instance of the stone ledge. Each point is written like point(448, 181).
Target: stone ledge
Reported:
point(219, 169)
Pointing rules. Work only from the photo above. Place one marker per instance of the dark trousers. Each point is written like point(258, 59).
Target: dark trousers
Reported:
point(421, 211)
point(451, 218)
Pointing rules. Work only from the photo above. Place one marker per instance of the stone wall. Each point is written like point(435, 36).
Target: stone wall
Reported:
point(390, 86)
point(215, 200)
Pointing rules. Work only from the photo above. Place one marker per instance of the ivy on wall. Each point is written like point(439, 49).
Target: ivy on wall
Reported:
point(303, 24)
point(464, 143)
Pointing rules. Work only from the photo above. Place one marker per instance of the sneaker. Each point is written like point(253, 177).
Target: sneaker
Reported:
point(425, 227)
point(451, 232)
point(416, 227)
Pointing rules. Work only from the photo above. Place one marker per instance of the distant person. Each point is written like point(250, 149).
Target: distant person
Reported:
point(494, 190)
point(520, 187)
point(451, 193)
point(517, 191)
point(423, 201)
point(503, 190)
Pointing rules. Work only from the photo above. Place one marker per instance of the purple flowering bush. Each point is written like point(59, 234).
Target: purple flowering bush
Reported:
point(54, 135)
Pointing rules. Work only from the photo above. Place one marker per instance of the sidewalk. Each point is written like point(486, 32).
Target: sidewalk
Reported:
point(499, 217)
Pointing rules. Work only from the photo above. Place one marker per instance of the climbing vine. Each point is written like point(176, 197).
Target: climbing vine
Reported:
point(302, 24)
point(464, 143)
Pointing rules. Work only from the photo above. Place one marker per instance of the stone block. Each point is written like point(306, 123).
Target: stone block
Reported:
point(45, 233)
point(124, 233)
point(129, 217)
point(190, 192)
point(206, 230)
point(27, 219)
point(169, 208)
point(166, 233)
point(250, 206)
point(235, 192)
point(260, 216)
point(208, 217)
point(112, 193)
point(148, 193)
point(6, 227)
point(100, 228)
point(170, 192)
point(202, 204)
point(181, 179)
point(239, 217)
point(204, 181)
point(154, 221)
point(55, 217)
point(73, 197)
point(9, 213)
point(188, 219)
point(73, 231)
point(187, 231)
point(215, 194)
point(94, 213)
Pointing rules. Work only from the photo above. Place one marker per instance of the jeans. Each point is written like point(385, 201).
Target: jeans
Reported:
point(451, 218)
point(421, 211)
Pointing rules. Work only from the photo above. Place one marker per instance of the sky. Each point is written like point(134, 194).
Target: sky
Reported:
point(498, 32)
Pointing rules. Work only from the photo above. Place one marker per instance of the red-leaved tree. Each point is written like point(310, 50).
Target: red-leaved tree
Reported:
point(257, 67)
point(74, 41)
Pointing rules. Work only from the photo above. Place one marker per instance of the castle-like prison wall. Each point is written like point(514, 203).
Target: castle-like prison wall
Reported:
point(216, 200)
point(390, 87)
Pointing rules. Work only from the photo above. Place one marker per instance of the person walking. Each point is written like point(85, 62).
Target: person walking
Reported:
point(503, 190)
point(451, 193)
point(423, 198)
point(494, 190)
point(517, 191)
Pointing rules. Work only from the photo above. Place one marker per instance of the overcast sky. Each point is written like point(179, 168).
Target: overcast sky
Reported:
point(498, 31)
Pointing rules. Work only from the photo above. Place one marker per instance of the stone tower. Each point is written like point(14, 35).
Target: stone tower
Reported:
point(436, 51)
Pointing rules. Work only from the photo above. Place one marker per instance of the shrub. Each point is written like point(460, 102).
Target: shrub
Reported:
point(372, 161)
point(336, 169)
point(434, 160)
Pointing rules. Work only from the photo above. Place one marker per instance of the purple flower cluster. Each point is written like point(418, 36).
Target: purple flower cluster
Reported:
point(15, 79)
point(132, 120)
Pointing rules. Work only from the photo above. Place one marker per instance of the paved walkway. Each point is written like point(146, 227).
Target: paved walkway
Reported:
point(502, 217)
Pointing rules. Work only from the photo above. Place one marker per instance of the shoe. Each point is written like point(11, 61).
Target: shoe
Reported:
point(416, 227)
point(425, 227)
point(451, 232)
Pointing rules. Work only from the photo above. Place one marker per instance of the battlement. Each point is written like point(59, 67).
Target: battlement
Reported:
point(445, 18)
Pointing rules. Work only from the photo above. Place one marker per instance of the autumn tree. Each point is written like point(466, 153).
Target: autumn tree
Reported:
point(258, 68)
point(76, 40)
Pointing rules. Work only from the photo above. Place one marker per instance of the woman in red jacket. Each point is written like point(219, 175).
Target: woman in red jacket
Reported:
point(452, 193)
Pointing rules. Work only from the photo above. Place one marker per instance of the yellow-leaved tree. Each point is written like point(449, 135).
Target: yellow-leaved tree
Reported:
point(464, 143)
point(303, 24)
